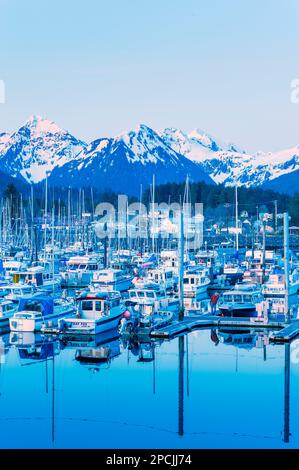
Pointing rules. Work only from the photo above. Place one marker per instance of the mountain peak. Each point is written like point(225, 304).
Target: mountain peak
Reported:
point(40, 125)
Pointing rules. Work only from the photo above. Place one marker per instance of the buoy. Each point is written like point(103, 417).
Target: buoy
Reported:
point(126, 314)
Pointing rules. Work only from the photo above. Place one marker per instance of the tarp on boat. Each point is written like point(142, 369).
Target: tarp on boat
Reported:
point(37, 303)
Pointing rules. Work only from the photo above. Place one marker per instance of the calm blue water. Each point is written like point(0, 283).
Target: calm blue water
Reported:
point(214, 395)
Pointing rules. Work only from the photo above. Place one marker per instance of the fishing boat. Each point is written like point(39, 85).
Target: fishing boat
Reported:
point(38, 276)
point(37, 311)
point(7, 310)
point(163, 276)
point(96, 313)
point(149, 309)
point(15, 291)
point(152, 298)
point(79, 270)
point(196, 282)
point(12, 266)
point(112, 280)
point(241, 301)
point(233, 271)
point(276, 285)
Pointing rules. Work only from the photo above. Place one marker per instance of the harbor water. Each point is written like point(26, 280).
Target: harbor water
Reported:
point(208, 389)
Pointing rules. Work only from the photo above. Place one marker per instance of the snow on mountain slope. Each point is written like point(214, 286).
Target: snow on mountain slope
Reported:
point(3, 141)
point(226, 163)
point(36, 148)
point(126, 162)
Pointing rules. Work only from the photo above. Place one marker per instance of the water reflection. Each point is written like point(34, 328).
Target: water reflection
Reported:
point(144, 393)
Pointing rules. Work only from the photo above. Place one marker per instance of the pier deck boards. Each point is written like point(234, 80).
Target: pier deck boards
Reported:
point(206, 321)
point(287, 334)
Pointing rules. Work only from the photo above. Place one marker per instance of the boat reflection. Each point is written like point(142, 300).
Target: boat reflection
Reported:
point(94, 351)
point(34, 346)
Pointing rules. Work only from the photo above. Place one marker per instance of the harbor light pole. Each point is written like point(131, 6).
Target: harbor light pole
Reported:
point(181, 266)
point(286, 265)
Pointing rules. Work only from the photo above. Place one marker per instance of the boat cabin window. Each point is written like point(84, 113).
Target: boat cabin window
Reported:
point(141, 293)
point(82, 266)
point(238, 298)
point(192, 280)
point(87, 305)
point(186, 280)
point(33, 306)
point(228, 298)
point(98, 306)
point(247, 298)
point(26, 291)
point(8, 307)
point(114, 303)
point(168, 275)
point(150, 295)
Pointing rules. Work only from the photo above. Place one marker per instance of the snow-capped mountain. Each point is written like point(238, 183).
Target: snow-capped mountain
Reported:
point(3, 141)
point(36, 148)
point(228, 164)
point(126, 162)
point(131, 159)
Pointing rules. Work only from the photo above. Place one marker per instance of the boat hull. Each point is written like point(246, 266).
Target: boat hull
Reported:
point(34, 324)
point(81, 326)
point(242, 311)
point(120, 286)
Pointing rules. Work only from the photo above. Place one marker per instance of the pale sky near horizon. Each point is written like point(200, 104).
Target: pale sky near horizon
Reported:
point(98, 67)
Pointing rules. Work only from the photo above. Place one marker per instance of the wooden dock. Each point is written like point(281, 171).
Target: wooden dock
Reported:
point(287, 334)
point(207, 321)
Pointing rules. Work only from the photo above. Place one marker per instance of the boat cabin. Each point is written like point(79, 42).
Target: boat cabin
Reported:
point(248, 294)
point(7, 307)
point(14, 292)
point(83, 263)
point(97, 304)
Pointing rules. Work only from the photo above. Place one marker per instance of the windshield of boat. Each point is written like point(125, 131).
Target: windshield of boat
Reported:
point(33, 306)
point(97, 305)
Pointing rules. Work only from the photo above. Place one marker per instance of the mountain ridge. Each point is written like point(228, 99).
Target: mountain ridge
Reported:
point(40, 149)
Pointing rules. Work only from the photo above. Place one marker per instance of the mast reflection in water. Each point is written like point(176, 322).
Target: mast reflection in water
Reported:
point(216, 388)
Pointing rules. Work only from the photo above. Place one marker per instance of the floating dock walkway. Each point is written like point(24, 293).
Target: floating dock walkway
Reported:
point(207, 321)
point(287, 334)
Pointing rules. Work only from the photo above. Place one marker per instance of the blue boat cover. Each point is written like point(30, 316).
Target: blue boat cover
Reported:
point(46, 303)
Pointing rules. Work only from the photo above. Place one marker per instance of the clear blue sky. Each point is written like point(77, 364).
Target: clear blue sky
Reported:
point(100, 67)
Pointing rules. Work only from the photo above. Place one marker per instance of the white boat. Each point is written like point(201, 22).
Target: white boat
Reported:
point(37, 311)
point(79, 270)
point(112, 280)
point(240, 301)
point(276, 285)
point(97, 312)
point(7, 310)
point(38, 276)
point(165, 277)
point(196, 283)
point(152, 299)
point(15, 291)
point(233, 271)
point(150, 309)
point(12, 266)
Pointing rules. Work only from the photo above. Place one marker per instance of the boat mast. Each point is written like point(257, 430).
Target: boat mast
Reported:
point(237, 216)
point(181, 265)
point(286, 264)
point(153, 215)
point(46, 210)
